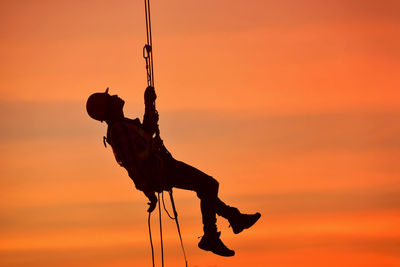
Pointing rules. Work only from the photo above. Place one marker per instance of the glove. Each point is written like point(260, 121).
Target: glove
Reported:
point(152, 204)
point(150, 94)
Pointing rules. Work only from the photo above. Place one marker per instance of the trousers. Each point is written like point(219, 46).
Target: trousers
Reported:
point(181, 175)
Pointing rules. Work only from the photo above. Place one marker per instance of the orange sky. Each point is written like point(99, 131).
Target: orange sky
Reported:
point(293, 106)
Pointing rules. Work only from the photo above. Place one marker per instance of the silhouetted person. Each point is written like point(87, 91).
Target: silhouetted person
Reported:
point(139, 149)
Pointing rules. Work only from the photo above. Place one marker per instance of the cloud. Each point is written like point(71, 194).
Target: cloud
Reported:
point(41, 120)
point(322, 202)
point(297, 133)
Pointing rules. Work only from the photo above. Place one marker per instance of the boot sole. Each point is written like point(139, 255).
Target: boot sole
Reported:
point(223, 255)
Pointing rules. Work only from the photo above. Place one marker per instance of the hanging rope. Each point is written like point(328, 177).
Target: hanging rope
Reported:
point(148, 48)
point(161, 235)
point(177, 224)
point(175, 218)
point(148, 56)
point(166, 211)
point(151, 239)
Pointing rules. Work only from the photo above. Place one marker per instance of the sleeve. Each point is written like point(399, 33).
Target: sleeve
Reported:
point(150, 118)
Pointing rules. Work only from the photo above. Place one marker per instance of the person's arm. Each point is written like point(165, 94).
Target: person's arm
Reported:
point(150, 118)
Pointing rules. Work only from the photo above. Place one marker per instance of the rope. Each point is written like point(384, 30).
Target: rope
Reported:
point(148, 48)
point(175, 218)
point(177, 226)
point(151, 239)
point(169, 215)
point(148, 56)
point(161, 235)
point(148, 53)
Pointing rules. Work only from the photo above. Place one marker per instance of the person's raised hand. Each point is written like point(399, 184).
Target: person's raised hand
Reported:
point(150, 94)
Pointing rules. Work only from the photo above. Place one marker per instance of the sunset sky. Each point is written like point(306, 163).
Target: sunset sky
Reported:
point(292, 105)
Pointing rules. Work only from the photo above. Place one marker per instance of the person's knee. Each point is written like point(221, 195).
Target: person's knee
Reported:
point(214, 185)
point(208, 189)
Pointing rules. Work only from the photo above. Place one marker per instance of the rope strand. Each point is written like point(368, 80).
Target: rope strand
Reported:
point(177, 226)
point(169, 215)
point(149, 46)
point(151, 239)
point(175, 218)
point(148, 56)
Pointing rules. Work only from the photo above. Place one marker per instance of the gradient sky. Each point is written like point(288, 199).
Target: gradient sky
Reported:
point(293, 106)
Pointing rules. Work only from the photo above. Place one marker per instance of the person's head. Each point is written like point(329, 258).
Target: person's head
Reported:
point(105, 107)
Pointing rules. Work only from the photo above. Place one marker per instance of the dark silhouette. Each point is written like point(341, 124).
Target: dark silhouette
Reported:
point(139, 149)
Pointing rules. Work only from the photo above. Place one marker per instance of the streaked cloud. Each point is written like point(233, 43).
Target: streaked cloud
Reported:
point(291, 105)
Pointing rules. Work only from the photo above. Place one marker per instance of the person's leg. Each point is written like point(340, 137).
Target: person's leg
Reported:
point(238, 221)
point(224, 210)
point(184, 176)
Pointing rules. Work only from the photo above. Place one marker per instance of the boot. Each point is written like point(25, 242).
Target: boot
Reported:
point(240, 221)
point(212, 242)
